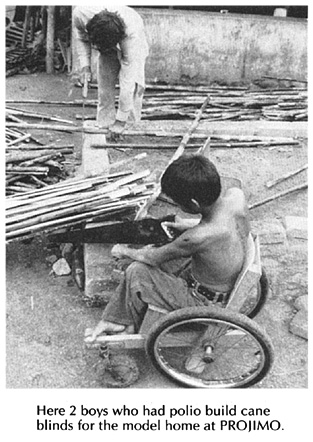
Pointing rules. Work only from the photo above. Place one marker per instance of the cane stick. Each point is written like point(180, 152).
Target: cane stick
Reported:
point(279, 195)
point(142, 213)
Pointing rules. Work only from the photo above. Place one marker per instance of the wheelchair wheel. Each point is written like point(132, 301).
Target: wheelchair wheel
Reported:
point(257, 298)
point(204, 347)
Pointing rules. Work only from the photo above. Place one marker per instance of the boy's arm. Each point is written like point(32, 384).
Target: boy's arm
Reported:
point(182, 247)
point(83, 45)
point(182, 224)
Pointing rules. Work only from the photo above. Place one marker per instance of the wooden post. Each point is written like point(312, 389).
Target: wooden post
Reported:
point(50, 40)
point(26, 26)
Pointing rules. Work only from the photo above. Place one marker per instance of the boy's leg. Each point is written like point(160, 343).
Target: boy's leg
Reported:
point(108, 70)
point(144, 285)
point(135, 114)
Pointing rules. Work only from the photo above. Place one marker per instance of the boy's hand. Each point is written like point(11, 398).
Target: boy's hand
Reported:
point(94, 333)
point(85, 75)
point(119, 251)
point(180, 224)
point(123, 251)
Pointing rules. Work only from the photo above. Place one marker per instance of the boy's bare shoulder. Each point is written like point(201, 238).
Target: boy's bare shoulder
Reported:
point(236, 198)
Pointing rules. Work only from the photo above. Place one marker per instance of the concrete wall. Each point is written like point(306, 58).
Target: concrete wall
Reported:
point(204, 47)
point(207, 47)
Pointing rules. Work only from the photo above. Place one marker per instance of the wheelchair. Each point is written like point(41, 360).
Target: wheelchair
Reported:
point(199, 347)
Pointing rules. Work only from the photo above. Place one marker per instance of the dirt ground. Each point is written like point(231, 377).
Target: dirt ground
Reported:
point(46, 315)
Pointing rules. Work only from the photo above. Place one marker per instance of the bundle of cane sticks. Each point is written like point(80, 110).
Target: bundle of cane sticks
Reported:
point(74, 202)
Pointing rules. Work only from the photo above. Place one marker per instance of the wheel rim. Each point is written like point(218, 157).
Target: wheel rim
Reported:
point(210, 353)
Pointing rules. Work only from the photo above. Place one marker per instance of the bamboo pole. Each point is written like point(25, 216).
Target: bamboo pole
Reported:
point(142, 213)
point(19, 157)
point(46, 127)
point(36, 115)
point(286, 176)
point(26, 26)
point(278, 195)
point(50, 40)
point(53, 102)
point(27, 170)
point(19, 140)
point(205, 149)
point(41, 159)
point(38, 182)
point(29, 149)
point(13, 118)
point(142, 146)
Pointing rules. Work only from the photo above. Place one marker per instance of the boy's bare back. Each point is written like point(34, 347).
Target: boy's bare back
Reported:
point(219, 242)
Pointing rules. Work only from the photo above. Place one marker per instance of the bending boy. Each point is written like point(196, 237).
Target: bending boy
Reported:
point(216, 247)
point(117, 33)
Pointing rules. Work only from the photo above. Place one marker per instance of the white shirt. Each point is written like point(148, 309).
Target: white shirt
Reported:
point(133, 48)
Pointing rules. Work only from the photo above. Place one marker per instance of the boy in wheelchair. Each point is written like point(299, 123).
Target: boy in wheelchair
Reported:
point(214, 243)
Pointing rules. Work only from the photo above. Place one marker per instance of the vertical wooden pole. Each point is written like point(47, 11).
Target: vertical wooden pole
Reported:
point(50, 40)
point(26, 26)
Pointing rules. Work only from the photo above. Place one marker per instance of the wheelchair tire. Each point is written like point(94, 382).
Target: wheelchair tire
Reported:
point(241, 353)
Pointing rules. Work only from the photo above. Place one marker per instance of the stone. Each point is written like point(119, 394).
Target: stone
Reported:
point(299, 324)
point(51, 259)
point(61, 267)
point(296, 227)
point(269, 232)
point(301, 303)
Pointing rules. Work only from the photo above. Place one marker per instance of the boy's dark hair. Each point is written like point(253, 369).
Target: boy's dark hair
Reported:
point(105, 30)
point(191, 177)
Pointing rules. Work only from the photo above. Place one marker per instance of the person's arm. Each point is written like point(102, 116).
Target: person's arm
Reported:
point(182, 247)
point(182, 224)
point(83, 45)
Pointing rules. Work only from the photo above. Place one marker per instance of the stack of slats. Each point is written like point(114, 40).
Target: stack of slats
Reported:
point(75, 201)
point(14, 35)
point(165, 102)
point(30, 170)
point(16, 57)
point(30, 166)
point(226, 103)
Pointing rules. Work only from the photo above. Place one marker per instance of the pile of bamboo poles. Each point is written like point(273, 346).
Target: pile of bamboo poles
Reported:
point(226, 103)
point(30, 166)
point(19, 55)
point(14, 35)
point(16, 59)
point(287, 111)
point(165, 102)
point(74, 202)
point(28, 170)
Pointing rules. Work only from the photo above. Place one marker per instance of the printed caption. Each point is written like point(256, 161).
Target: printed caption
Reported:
point(164, 418)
